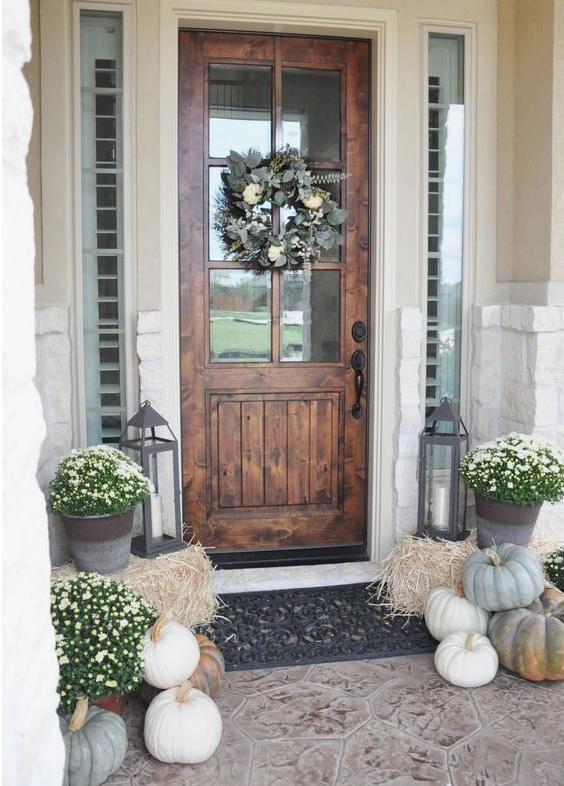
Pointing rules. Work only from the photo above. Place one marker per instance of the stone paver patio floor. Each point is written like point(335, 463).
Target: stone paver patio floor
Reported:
point(363, 723)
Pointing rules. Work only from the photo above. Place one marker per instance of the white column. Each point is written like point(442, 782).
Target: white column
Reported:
point(33, 748)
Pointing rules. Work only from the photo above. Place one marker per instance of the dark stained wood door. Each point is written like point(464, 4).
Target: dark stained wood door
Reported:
point(273, 458)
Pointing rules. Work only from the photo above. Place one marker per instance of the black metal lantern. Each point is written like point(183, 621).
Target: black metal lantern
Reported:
point(158, 456)
point(441, 511)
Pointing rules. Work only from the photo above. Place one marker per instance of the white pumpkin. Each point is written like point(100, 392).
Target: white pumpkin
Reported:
point(447, 612)
point(170, 654)
point(182, 726)
point(466, 659)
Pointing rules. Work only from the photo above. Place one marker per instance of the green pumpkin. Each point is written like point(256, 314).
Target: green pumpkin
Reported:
point(502, 577)
point(531, 641)
point(95, 744)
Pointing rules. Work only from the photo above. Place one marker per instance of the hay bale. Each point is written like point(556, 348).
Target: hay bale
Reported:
point(415, 567)
point(418, 565)
point(181, 583)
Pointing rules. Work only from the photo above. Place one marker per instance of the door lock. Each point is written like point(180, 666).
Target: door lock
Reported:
point(359, 331)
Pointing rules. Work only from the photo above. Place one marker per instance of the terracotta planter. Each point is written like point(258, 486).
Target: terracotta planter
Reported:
point(504, 522)
point(113, 702)
point(100, 544)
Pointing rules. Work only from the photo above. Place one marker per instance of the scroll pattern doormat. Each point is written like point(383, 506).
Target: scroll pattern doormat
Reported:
point(288, 627)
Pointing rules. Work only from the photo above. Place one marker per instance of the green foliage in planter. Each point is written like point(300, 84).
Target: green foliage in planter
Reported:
point(100, 626)
point(554, 568)
point(97, 481)
point(515, 468)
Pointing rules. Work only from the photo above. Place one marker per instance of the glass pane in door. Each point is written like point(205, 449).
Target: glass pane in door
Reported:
point(311, 112)
point(240, 317)
point(310, 316)
point(239, 108)
point(215, 250)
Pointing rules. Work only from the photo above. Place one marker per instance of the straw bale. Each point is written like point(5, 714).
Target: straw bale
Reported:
point(181, 583)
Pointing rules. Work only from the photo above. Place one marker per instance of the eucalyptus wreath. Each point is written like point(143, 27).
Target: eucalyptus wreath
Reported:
point(251, 185)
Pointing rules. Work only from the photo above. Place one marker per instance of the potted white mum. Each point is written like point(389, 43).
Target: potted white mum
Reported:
point(512, 477)
point(95, 491)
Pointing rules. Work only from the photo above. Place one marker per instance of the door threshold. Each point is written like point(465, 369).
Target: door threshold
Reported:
point(295, 576)
point(275, 558)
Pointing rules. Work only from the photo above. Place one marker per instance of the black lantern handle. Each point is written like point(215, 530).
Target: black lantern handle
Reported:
point(358, 362)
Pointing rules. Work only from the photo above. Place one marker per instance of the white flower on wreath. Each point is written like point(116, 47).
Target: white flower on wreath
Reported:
point(252, 193)
point(274, 252)
point(313, 202)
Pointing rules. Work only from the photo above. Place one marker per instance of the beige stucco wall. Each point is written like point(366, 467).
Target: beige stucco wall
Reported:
point(530, 204)
point(557, 247)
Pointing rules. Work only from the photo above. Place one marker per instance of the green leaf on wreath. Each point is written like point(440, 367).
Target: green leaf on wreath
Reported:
point(337, 216)
point(237, 168)
point(279, 198)
point(281, 261)
point(287, 176)
point(253, 159)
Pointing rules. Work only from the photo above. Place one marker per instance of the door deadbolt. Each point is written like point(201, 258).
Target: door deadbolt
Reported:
point(359, 331)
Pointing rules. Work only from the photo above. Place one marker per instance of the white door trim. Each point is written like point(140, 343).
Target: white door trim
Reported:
point(380, 26)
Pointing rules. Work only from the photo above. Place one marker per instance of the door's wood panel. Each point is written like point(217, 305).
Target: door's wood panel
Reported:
point(298, 452)
point(252, 452)
point(274, 453)
point(229, 471)
point(272, 457)
point(321, 451)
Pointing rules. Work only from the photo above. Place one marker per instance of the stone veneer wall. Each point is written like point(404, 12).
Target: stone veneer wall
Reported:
point(518, 381)
point(33, 748)
point(408, 418)
point(53, 380)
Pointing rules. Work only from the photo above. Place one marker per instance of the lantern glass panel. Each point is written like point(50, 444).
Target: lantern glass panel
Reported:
point(438, 463)
point(462, 488)
point(161, 473)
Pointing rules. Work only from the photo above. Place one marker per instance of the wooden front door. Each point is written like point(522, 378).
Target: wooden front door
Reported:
point(274, 458)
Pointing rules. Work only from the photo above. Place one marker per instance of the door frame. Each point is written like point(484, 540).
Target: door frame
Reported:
point(380, 26)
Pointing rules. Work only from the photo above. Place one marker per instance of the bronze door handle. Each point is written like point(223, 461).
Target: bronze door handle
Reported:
point(358, 363)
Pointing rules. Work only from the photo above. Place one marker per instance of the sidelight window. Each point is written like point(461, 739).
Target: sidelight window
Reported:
point(101, 107)
point(445, 111)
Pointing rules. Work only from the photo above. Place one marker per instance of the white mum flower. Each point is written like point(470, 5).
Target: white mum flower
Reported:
point(274, 252)
point(252, 193)
point(313, 202)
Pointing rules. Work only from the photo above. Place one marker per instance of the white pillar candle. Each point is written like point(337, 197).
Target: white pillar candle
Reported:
point(156, 516)
point(440, 504)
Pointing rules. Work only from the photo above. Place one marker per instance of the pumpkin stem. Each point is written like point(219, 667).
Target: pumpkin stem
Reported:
point(184, 691)
point(79, 715)
point(470, 641)
point(494, 557)
point(158, 626)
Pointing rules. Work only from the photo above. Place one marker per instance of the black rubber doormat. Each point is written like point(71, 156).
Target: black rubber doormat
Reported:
point(314, 625)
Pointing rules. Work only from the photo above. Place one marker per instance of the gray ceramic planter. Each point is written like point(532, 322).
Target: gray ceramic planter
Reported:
point(100, 544)
point(504, 522)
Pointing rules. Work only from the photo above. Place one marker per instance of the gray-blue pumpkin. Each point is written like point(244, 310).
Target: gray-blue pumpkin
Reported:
point(95, 744)
point(502, 577)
